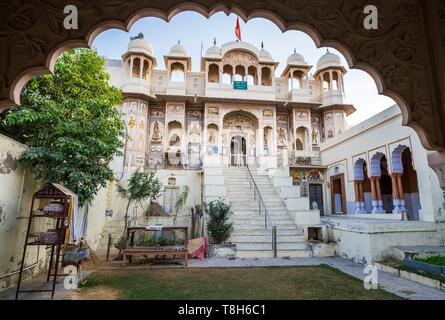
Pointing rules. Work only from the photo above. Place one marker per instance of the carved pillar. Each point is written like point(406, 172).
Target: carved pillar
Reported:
point(401, 193)
point(396, 199)
point(357, 196)
point(377, 202)
point(131, 67)
point(362, 197)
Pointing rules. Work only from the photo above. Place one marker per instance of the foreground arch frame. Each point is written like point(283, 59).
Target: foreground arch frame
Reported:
point(404, 56)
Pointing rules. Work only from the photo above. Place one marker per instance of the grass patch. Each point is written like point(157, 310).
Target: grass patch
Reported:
point(434, 276)
point(397, 264)
point(273, 283)
point(435, 260)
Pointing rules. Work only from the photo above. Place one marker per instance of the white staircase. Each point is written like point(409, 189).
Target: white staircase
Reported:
point(250, 235)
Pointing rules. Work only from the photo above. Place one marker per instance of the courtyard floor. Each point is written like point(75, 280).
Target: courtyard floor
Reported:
point(257, 283)
point(302, 278)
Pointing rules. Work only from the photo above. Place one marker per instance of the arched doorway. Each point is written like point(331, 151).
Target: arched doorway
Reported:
point(362, 185)
point(379, 167)
point(405, 183)
point(386, 186)
point(240, 133)
point(238, 151)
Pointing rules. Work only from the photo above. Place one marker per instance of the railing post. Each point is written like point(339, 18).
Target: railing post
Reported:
point(274, 241)
point(265, 220)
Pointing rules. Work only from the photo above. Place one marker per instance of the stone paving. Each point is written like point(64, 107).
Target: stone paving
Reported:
point(401, 287)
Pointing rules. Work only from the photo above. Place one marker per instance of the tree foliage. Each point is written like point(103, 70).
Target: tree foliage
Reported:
point(218, 225)
point(142, 185)
point(71, 122)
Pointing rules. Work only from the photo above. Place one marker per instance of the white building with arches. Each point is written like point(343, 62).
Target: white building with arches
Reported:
point(291, 131)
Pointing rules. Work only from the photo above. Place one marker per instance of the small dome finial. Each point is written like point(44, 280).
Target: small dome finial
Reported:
point(295, 50)
point(139, 36)
point(214, 41)
point(262, 45)
point(327, 50)
point(179, 41)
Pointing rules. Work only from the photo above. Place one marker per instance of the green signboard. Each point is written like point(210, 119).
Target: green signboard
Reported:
point(240, 85)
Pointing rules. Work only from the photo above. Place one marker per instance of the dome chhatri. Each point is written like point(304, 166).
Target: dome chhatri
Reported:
point(265, 55)
point(139, 45)
point(214, 51)
point(296, 59)
point(178, 50)
point(329, 60)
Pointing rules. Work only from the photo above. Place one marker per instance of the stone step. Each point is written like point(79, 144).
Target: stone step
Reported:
point(269, 254)
point(236, 228)
point(266, 239)
point(255, 215)
point(260, 246)
point(263, 232)
point(253, 220)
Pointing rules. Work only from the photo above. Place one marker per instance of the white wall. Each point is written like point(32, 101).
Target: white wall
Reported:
point(382, 133)
point(16, 190)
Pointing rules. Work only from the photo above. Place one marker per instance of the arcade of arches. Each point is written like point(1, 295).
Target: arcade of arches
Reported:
point(388, 191)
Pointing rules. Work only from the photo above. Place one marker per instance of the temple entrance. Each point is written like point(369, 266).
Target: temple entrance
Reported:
point(238, 151)
point(338, 194)
point(316, 197)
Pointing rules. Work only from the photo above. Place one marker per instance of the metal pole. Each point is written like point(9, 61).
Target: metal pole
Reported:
point(274, 241)
point(108, 246)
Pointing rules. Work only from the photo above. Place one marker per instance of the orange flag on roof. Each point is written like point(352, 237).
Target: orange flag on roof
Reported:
point(238, 29)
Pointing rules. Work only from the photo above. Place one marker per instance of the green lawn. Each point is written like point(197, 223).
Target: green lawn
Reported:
point(291, 283)
point(436, 260)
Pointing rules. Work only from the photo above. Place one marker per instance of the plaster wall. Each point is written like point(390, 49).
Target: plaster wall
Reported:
point(16, 189)
point(382, 133)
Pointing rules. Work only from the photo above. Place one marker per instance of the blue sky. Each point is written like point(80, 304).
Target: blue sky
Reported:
point(192, 29)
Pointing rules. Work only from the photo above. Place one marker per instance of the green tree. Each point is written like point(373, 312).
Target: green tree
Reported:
point(71, 122)
point(181, 201)
point(142, 185)
point(219, 227)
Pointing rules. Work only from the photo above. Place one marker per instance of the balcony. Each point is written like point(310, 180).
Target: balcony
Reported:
point(304, 158)
point(299, 95)
point(333, 97)
point(225, 90)
point(136, 85)
point(176, 88)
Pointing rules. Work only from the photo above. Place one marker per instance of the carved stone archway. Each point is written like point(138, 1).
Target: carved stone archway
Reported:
point(404, 56)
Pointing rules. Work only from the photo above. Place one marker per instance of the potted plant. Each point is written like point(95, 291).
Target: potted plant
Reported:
point(219, 228)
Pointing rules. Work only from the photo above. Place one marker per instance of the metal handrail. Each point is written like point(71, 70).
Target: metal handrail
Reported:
point(262, 205)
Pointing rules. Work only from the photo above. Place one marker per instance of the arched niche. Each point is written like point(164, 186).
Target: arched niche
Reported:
point(266, 77)
point(212, 134)
point(174, 134)
point(213, 73)
point(177, 72)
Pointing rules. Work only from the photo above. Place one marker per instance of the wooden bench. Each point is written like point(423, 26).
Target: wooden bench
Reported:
point(156, 252)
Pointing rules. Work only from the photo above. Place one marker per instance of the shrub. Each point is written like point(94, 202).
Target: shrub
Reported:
point(219, 212)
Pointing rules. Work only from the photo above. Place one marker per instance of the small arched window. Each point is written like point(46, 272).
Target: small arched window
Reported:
point(335, 81)
point(240, 73)
point(136, 68)
point(252, 76)
point(177, 72)
point(213, 76)
point(326, 82)
point(227, 74)
point(266, 77)
point(145, 71)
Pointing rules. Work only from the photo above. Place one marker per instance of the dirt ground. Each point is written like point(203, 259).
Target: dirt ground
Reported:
point(94, 293)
